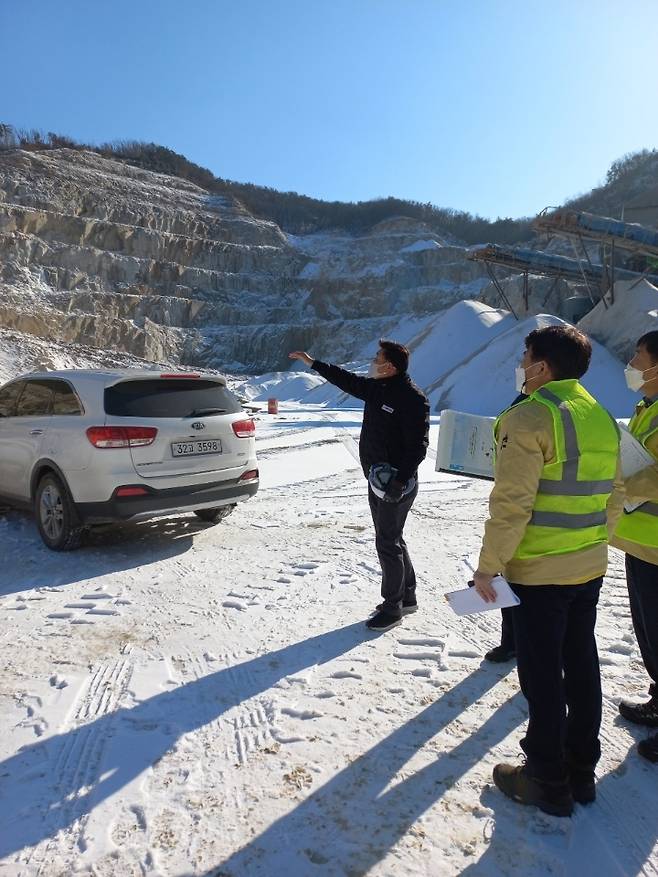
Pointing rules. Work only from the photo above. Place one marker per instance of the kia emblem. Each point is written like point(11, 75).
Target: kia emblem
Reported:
point(198, 425)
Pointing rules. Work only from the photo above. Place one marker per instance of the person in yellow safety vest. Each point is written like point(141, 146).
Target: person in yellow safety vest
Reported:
point(557, 461)
point(636, 533)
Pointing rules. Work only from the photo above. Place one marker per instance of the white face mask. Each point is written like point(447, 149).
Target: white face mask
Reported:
point(521, 378)
point(374, 370)
point(635, 379)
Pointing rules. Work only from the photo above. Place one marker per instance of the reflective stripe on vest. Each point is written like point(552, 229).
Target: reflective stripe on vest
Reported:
point(567, 520)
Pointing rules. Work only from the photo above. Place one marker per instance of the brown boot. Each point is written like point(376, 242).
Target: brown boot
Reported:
point(552, 797)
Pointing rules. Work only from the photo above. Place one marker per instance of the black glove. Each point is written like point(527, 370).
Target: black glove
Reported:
point(394, 491)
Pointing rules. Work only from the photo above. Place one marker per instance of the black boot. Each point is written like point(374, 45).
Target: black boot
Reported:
point(382, 622)
point(552, 797)
point(500, 654)
point(641, 713)
point(583, 785)
point(408, 606)
point(649, 748)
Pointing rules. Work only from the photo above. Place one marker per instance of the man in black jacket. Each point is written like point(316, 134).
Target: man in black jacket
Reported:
point(394, 432)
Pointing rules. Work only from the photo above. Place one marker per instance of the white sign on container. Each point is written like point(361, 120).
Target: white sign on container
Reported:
point(465, 444)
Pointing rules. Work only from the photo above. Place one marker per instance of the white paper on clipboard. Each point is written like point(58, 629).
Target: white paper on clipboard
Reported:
point(467, 601)
point(634, 457)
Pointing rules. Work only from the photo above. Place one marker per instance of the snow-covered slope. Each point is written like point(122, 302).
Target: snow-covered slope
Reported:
point(463, 358)
point(452, 336)
point(438, 342)
point(618, 325)
point(484, 383)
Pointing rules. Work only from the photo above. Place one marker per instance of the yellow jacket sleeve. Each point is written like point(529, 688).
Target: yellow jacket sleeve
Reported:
point(644, 484)
point(615, 505)
point(525, 443)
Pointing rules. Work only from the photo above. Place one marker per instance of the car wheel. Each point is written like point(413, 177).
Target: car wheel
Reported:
point(214, 516)
point(58, 523)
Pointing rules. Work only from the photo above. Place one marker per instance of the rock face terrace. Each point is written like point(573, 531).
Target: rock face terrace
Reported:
point(94, 251)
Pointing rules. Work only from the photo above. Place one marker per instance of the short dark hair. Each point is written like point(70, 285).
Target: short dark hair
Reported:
point(566, 349)
point(396, 354)
point(650, 343)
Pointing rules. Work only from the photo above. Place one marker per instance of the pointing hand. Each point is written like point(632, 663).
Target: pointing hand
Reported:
point(300, 354)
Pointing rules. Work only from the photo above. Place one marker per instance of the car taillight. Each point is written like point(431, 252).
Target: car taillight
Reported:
point(121, 436)
point(249, 475)
point(131, 491)
point(244, 428)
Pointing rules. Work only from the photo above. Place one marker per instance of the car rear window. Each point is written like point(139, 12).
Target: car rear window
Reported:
point(166, 397)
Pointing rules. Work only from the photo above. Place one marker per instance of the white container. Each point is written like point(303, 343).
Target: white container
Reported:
point(465, 444)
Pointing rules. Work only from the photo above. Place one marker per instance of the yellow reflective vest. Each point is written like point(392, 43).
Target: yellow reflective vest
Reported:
point(641, 525)
point(569, 511)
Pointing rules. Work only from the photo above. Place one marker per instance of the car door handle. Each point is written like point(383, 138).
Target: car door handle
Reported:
point(36, 432)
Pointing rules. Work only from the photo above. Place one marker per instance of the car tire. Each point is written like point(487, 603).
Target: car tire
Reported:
point(58, 523)
point(215, 515)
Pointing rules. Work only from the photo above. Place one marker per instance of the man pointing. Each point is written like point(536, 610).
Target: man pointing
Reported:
point(394, 439)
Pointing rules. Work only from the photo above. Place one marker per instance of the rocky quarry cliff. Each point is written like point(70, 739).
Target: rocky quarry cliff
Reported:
point(94, 251)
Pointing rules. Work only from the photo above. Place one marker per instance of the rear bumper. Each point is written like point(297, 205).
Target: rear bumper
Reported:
point(174, 499)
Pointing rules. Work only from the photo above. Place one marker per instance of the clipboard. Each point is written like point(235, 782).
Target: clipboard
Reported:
point(467, 601)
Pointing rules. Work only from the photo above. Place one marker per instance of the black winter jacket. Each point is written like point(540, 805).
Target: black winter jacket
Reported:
point(396, 418)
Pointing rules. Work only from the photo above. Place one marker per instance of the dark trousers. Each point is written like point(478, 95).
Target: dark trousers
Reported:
point(398, 576)
point(642, 580)
point(507, 629)
point(558, 667)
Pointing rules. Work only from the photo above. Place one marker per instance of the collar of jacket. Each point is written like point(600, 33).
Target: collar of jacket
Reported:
point(398, 378)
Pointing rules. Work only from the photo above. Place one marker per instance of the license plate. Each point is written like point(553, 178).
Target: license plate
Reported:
point(194, 449)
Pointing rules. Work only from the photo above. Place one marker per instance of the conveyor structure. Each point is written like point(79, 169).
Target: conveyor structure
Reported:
point(624, 235)
point(595, 277)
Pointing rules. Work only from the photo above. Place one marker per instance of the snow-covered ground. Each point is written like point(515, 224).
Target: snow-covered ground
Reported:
point(179, 699)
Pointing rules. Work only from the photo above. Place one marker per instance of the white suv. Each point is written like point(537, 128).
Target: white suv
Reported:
point(83, 447)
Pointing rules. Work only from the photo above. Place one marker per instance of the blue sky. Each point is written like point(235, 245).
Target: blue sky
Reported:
point(499, 107)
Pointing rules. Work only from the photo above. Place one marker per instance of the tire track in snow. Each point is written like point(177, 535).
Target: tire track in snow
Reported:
point(76, 765)
point(237, 728)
